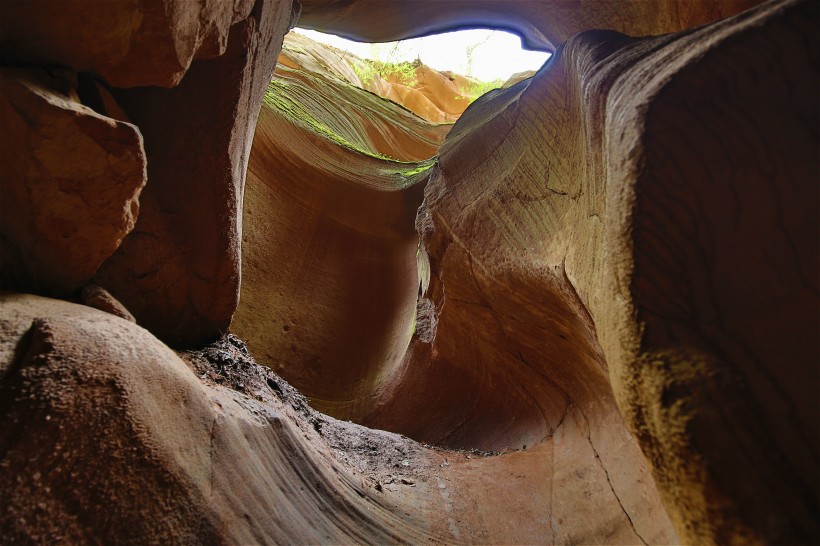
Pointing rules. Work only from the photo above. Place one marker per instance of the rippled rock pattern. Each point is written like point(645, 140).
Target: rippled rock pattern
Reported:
point(433, 95)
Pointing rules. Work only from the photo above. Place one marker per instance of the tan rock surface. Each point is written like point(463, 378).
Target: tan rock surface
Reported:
point(366, 123)
point(329, 248)
point(70, 180)
point(721, 365)
point(179, 271)
point(128, 43)
point(608, 215)
point(546, 273)
point(329, 293)
point(99, 298)
point(617, 280)
point(122, 441)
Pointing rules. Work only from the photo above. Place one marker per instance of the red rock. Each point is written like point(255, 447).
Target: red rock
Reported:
point(329, 247)
point(618, 281)
point(579, 256)
point(71, 179)
point(99, 298)
point(128, 43)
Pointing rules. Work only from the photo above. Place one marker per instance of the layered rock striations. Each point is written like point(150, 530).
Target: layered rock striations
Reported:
point(330, 247)
point(529, 312)
point(135, 446)
point(595, 294)
point(432, 94)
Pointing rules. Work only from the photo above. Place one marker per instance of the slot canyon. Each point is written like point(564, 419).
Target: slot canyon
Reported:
point(248, 297)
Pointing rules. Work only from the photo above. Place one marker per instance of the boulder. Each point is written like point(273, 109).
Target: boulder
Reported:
point(99, 298)
point(70, 184)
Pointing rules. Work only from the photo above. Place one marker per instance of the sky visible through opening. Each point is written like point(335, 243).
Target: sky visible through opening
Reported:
point(496, 55)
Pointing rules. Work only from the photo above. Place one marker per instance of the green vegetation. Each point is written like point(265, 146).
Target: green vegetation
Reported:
point(383, 63)
point(478, 88)
point(281, 96)
point(423, 166)
point(367, 70)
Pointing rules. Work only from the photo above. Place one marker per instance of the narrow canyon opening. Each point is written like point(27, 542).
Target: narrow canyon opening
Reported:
point(360, 292)
point(337, 294)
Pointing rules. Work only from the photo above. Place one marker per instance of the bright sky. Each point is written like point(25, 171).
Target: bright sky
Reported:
point(497, 55)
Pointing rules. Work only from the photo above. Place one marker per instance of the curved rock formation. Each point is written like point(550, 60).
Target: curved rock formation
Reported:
point(519, 325)
point(329, 255)
point(543, 24)
point(129, 44)
point(135, 447)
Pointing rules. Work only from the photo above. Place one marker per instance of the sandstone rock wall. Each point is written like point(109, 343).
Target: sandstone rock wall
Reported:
point(555, 234)
point(179, 271)
point(606, 281)
point(133, 446)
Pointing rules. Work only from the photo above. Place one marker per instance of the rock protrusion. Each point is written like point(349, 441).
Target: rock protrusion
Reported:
point(70, 182)
point(100, 298)
point(178, 272)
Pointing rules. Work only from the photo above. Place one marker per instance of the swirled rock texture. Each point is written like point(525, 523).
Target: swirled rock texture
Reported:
point(432, 94)
point(70, 181)
point(132, 446)
point(716, 368)
point(552, 238)
point(329, 244)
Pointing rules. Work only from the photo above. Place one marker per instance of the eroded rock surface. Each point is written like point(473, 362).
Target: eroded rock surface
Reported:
point(178, 272)
point(549, 260)
point(132, 444)
point(70, 181)
point(329, 255)
point(129, 44)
